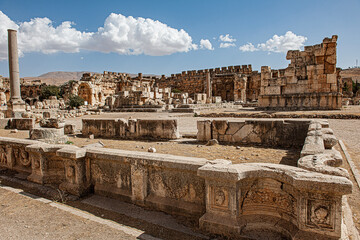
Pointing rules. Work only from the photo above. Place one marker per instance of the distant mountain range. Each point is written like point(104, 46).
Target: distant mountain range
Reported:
point(58, 78)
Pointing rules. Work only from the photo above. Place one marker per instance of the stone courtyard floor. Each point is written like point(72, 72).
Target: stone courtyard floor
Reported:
point(346, 130)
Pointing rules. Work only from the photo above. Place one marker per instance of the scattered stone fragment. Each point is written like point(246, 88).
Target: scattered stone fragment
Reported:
point(237, 147)
point(212, 142)
point(151, 149)
point(91, 136)
point(14, 131)
point(99, 144)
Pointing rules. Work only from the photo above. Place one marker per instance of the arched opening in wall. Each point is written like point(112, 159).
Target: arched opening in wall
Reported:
point(7, 93)
point(85, 92)
point(100, 97)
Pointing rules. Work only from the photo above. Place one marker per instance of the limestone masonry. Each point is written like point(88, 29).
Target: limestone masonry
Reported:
point(249, 199)
point(311, 81)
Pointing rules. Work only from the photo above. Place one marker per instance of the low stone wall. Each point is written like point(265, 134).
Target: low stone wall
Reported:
point(268, 200)
point(131, 129)
point(282, 133)
point(318, 153)
point(252, 199)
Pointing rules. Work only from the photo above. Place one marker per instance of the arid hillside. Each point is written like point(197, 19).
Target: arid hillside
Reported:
point(57, 78)
point(353, 73)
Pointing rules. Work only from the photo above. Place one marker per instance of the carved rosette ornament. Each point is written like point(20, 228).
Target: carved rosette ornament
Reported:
point(22, 156)
point(320, 214)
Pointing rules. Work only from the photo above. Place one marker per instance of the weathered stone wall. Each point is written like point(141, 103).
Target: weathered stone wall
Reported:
point(233, 200)
point(21, 123)
point(31, 89)
point(282, 133)
point(194, 81)
point(131, 129)
point(230, 87)
point(271, 200)
point(311, 81)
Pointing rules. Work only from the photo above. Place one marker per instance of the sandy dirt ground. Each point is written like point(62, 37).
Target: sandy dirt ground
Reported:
point(22, 217)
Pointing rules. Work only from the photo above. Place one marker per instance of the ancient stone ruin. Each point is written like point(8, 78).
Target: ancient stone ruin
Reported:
point(228, 199)
point(311, 81)
point(249, 200)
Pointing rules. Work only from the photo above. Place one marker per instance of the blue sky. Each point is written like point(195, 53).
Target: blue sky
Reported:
point(82, 46)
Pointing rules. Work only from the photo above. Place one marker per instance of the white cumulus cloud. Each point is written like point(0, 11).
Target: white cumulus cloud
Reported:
point(206, 44)
point(120, 34)
point(249, 47)
point(227, 38)
point(283, 43)
point(5, 23)
point(227, 45)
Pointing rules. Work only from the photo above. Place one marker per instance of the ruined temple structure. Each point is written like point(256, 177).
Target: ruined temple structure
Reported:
point(94, 88)
point(311, 81)
point(138, 91)
point(31, 90)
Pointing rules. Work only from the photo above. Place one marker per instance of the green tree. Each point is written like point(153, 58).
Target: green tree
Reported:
point(355, 87)
point(175, 90)
point(48, 91)
point(75, 101)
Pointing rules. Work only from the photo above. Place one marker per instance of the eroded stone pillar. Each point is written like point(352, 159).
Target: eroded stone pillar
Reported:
point(16, 103)
point(14, 66)
point(208, 88)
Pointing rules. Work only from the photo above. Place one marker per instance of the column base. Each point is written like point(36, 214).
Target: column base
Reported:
point(15, 109)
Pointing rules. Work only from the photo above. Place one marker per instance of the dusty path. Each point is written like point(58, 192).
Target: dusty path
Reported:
point(22, 217)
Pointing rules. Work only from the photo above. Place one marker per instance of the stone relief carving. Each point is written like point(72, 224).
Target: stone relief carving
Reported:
point(283, 201)
point(219, 198)
point(22, 156)
point(70, 172)
point(319, 214)
point(164, 186)
point(3, 155)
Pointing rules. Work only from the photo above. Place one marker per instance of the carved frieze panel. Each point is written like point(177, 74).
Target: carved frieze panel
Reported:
point(269, 198)
point(21, 157)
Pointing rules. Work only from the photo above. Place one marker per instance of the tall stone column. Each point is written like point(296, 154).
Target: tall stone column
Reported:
point(16, 104)
point(208, 88)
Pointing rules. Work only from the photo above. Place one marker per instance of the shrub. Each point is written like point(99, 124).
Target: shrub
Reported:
point(48, 91)
point(175, 90)
point(75, 101)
